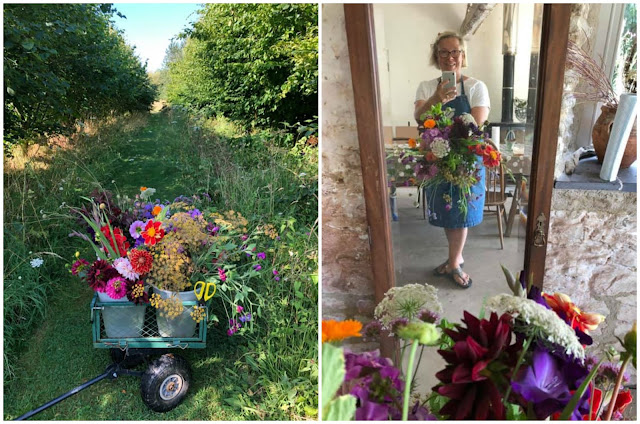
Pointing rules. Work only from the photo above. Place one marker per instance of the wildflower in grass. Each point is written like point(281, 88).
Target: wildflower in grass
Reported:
point(136, 293)
point(244, 237)
point(140, 260)
point(245, 318)
point(275, 275)
point(116, 288)
point(99, 274)
point(261, 255)
point(36, 263)
point(125, 269)
point(334, 331)
point(79, 266)
point(136, 229)
point(239, 309)
point(152, 233)
point(257, 267)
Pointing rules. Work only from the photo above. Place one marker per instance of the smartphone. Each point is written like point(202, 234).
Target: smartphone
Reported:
point(449, 76)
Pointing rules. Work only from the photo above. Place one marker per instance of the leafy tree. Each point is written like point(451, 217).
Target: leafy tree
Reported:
point(253, 63)
point(63, 63)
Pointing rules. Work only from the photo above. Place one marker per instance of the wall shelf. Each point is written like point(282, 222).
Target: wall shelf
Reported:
point(587, 177)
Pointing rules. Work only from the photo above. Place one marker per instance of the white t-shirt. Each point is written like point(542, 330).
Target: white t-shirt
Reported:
point(476, 91)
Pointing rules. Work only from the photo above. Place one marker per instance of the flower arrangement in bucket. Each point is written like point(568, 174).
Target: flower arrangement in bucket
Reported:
point(451, 152)
point(172, 248)
point(528, 359)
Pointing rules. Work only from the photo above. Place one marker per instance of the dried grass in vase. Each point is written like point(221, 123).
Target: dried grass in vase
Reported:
point(590, 73)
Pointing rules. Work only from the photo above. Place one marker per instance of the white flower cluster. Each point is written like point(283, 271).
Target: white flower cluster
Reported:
point(467, 119)
point(544, 320)
point(36, 263)
point(407, 302)
point(440, 147)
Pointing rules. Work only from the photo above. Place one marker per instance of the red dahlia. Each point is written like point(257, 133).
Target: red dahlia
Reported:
point(476, 365)
point(99, 273)
point(141, 261)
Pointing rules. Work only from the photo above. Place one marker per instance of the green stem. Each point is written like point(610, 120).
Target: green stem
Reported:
point(407, 387)
point(525, 347)
point(616, 388)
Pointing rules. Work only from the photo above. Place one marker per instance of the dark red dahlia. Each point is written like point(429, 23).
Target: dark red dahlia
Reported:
point(99, 273)
point(478, 368)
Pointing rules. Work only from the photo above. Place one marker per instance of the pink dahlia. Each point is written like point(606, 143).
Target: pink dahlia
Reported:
point(125, 269)
point(117, 288)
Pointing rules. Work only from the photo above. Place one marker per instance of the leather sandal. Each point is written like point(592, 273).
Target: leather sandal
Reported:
point(457, 272)
point(436, 271)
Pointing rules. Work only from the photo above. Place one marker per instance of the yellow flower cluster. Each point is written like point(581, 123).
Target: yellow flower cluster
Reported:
point(171, 265)
point(170, 308)
point(190, 232)
point(231, 220)
point(198, 313)
point(137, 291)
point(268, 230)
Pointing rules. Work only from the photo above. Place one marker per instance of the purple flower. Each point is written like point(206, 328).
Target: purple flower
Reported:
point(275, 272)
point(261, 255)
point(547, 384)
point(244, 237)
point(372, 329)
point(245, 318)
point(222, 275)
point(277, 278)
point(136, 228)
point(195, 213)
point(447, 207)
point(257, 267)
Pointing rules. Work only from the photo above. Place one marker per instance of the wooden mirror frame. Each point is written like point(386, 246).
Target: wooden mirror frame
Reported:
point(364, 76)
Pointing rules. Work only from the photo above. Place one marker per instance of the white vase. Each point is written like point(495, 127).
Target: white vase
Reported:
point(121, 321)
point(181, 326)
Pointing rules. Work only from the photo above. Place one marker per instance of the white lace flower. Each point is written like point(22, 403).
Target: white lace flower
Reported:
point(440, 147)
point(543, 320)
point(123, 266)
point(407, 302)
point(467, 119)
point(146, 194)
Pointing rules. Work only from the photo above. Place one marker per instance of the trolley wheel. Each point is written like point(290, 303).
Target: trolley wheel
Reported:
point(131, 360)
point(165, 384)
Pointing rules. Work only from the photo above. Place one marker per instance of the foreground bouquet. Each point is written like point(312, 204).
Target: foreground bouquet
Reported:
point(525, 360)
point(452, 151)
point(172, 248)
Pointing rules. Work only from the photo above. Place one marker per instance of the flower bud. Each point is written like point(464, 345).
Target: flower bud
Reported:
point(424, 332)
point(103, 206)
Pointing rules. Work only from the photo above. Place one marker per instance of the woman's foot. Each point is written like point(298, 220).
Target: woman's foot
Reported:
point(461, 278)
point(444, 268)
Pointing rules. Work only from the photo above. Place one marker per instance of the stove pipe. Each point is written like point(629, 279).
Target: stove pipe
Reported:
point(509, 42)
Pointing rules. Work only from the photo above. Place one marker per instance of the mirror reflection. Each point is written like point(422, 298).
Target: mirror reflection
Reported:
point(493, 56)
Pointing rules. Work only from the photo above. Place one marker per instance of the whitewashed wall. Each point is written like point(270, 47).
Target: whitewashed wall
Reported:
point(404, 33)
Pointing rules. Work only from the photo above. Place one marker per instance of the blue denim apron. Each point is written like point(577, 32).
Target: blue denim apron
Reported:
point(448, 214)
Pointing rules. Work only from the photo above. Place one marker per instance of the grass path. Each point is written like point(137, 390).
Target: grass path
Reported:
point(60, 355)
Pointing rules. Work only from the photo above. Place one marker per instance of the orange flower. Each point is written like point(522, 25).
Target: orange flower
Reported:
point(562, 305)
point(338, 330)
point(412, 143)
point(156, 210)
point(430, 157)
point(429, 123)
point(143, 188)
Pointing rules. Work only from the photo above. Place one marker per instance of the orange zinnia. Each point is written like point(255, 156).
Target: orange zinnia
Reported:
point(156, 210)
point(583, 321)
point(412, 143)
point(333, 330)
point(143, 188)
point(429, 123)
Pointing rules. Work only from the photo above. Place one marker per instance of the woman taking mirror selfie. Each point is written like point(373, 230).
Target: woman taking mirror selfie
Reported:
point(467, 96)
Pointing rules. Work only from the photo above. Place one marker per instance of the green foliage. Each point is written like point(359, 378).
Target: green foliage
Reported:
point(65, 63)
point(253, 63)
point(342, 408)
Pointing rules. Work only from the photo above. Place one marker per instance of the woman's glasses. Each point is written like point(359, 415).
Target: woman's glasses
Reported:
point(445, 53)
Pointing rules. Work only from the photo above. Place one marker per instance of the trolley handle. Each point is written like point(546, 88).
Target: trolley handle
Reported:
point(95, 308)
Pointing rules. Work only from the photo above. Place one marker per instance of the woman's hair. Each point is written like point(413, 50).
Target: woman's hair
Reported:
point(434, 48)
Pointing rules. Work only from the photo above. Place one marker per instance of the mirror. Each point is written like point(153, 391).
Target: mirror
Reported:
point(502, 46)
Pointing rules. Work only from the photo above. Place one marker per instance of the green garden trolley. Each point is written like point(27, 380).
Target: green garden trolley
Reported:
point(137, 333)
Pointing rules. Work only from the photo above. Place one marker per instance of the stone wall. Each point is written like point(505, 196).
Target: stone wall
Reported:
point(591, 256)
point(347, 278)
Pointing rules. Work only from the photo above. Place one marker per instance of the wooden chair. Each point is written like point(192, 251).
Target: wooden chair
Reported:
point(495, 195)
